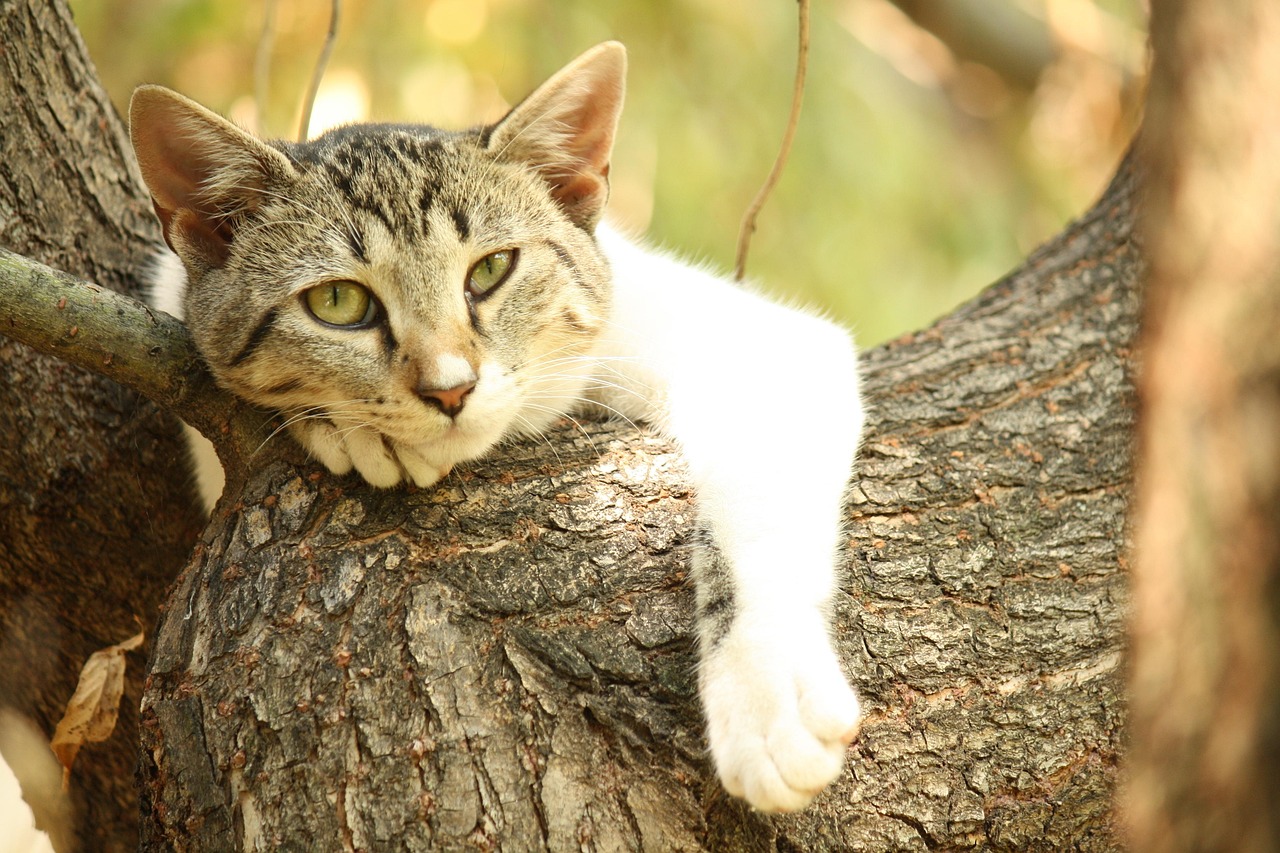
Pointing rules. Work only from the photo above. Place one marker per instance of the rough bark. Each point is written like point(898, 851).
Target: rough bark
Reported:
point(1206, 669)
point(505, 660)
point(93, 515)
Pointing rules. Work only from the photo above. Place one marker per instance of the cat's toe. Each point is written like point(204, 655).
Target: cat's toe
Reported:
point(778, 724)
point(828, 706)
point(323, 441)
point(372, 458)
point(807, 763)
point(422, 471)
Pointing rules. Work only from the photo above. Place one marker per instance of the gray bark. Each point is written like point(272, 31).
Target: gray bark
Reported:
point(94, 514)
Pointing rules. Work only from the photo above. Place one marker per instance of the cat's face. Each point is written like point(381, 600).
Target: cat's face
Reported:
point(440, 290)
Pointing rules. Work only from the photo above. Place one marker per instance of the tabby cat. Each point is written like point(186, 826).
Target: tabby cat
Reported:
point(408, 297)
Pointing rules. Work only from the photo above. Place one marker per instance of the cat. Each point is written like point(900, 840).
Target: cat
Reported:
point(407, 297)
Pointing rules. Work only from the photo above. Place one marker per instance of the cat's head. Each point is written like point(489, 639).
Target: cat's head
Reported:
point(438, 288)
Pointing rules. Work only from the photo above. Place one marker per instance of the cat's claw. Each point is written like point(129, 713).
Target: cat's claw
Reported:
point(421, 470)
point(778, 717)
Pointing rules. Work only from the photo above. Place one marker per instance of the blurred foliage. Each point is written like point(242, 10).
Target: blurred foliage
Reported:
point(920, 174)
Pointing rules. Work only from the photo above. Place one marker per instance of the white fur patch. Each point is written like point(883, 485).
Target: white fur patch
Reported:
point(451, 371)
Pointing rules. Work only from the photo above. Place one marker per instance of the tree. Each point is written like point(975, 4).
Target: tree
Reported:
point(505, 660)
point(1206, 676)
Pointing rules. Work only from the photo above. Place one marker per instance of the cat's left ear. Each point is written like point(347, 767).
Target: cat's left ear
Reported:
point(565, 130)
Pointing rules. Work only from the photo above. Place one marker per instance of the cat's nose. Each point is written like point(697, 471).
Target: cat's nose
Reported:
point(448, 400)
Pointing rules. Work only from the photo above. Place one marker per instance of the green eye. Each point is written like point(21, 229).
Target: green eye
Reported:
point(489, 272)
point(340, 303)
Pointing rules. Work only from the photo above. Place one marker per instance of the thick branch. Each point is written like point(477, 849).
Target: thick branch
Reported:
point(506, 661)
point(1205, 683)
point(96, 511)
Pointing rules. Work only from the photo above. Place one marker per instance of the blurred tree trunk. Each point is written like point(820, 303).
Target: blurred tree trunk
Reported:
point(94, 514)
point(1206, 672)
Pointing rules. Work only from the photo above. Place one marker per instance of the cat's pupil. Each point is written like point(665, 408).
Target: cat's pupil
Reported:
point(490, 271)
point(340, 303)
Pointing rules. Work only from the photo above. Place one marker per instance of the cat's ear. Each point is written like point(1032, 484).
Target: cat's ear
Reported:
point(565, 130)
point(205, 174)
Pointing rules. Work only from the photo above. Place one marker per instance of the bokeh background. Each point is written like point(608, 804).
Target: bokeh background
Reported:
point(941, 140)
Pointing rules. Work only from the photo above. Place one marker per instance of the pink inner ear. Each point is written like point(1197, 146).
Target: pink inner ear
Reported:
point(198, 167)
point(174, 164)
point(565, 129)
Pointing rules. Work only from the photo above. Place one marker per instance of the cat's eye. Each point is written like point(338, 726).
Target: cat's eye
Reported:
point(489, 272)
point(341, 303)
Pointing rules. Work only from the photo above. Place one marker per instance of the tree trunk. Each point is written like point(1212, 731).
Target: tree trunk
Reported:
point(94, 514)
point(505, 660)
point(1206, 670)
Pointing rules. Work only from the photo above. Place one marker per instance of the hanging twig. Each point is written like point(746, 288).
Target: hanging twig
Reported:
point(318, 74)
point(749, 219)
point(262, 65)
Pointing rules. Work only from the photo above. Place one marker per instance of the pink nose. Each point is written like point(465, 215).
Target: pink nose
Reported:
point(448, 400)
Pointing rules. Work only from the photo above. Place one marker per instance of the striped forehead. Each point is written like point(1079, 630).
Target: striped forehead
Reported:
point(393, 174)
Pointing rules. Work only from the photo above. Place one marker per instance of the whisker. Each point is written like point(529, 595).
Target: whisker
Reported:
point(537, 433)
point(571, 420)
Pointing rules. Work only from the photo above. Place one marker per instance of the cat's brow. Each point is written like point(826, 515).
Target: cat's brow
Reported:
point(461, 222)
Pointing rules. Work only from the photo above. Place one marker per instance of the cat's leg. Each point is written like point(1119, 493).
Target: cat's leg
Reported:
point(778, 706)
point(764, 403)
point(779, 709)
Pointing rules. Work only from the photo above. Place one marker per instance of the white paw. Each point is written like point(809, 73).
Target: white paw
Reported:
point(779, 713)
point(341, 447)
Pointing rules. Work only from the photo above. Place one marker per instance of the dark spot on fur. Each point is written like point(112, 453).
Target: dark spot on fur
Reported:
point(573, 321)
point(341, 179)
point(389, 342)
point(566, 258)
point(356, 242)
point(286, 387)
point(461, 223)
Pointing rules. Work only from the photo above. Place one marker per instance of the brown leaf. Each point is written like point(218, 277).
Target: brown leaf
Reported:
point(91, 712)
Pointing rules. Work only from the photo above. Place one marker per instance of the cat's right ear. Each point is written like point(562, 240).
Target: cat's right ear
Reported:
point(205, 174)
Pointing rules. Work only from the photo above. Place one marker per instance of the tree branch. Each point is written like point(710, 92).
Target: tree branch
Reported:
point(126, 341)
point(748, 226)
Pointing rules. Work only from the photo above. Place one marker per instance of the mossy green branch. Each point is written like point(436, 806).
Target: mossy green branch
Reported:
point(118, 337)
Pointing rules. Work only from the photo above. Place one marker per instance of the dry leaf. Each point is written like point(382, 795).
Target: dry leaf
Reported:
point(91, 712)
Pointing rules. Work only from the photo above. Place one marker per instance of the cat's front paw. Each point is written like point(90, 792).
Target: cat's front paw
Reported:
point(378, 461)
point(779, 714)
point(341, 449)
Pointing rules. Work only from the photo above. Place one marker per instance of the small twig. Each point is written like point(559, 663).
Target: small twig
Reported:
point(262, 65)
point(318, 74)
point(749, 219)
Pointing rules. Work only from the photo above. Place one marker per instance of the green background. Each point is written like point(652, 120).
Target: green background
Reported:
point(928, 161)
